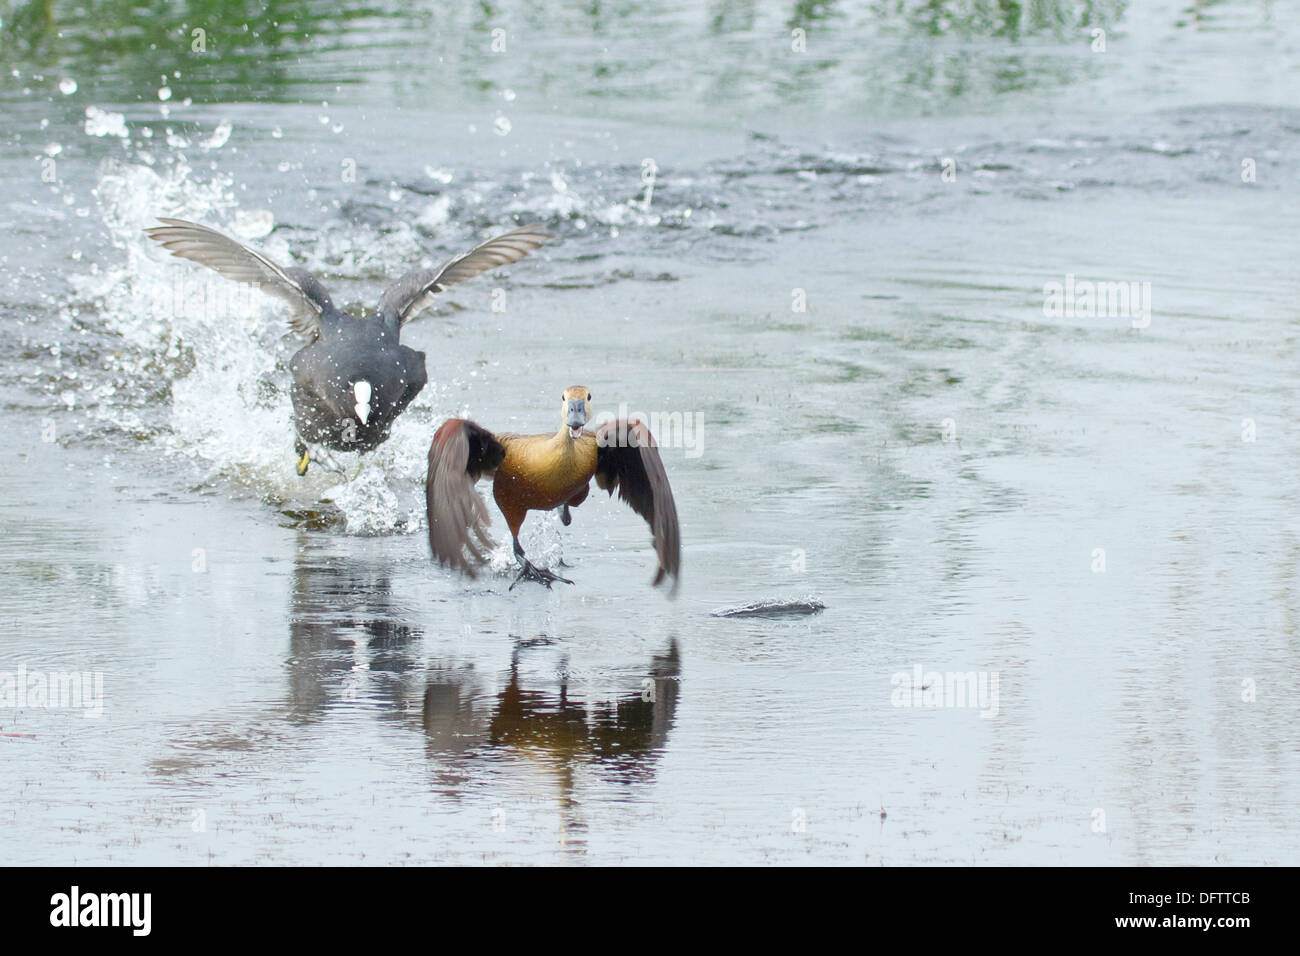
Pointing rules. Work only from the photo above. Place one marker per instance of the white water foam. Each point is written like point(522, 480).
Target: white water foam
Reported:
point(218, 353)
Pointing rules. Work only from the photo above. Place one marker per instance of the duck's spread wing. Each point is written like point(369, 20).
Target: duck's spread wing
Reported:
point(627, 458)
point(415, 290)
point(307, 298)
point(461, 452)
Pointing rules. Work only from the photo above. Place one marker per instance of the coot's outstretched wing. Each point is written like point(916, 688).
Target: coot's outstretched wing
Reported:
point(627, 458)
point(416, 290)
point(307, 298)
point(461, 452)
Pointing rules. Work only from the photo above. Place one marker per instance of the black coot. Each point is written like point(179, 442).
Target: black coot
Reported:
point(353, 377)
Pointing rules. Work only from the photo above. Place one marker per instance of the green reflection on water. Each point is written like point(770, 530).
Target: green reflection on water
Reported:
point(244, 50)
point(566, 50)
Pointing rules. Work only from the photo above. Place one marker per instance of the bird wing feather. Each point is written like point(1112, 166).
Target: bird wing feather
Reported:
point(461, 452)
point(627, 458)
point(306, 296)
point(413, 292)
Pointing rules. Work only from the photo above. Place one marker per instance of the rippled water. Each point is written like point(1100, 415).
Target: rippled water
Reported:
point(1094, 512)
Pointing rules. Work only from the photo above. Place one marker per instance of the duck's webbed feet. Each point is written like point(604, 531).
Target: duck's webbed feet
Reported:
point(531, 572)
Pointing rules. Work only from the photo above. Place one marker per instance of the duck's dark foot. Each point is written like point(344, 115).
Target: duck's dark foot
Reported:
point(566, 519)
point(530, 572)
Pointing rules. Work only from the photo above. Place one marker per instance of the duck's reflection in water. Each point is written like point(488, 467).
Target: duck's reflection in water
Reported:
point(617, 731)
point(614, 726)
point(349, 644)
point(352, 656)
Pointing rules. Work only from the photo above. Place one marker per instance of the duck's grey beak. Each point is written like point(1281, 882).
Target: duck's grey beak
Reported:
point(577, 417)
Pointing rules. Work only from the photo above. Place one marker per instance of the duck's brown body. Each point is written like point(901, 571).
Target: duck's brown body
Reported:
point(540, 473)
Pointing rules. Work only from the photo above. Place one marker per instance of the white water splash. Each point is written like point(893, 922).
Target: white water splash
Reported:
point(219, 136)
point(103, 123)
point(220, 354)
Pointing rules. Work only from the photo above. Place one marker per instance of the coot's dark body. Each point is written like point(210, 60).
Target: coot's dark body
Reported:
point(354, 377)
point(326, 374)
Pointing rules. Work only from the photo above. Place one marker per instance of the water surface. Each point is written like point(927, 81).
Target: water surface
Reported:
point(288, 679)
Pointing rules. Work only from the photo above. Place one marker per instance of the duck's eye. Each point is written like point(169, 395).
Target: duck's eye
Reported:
point(589, 396)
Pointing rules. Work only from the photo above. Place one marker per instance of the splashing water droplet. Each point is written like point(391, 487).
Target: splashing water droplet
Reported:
point(103, 123)
point(252, 224)
point(218, 137)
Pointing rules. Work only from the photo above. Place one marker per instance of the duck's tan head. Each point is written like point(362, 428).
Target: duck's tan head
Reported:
point(576, 409)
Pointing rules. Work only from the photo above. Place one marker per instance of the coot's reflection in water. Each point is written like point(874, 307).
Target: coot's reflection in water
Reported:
point(345, 629)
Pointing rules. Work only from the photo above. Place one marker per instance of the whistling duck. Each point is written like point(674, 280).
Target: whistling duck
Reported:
point(353, 377)
point(539, 473)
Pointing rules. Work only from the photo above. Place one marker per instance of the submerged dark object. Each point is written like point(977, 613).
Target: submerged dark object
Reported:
point(353, 377)
point(541, 472)
point(771, 609)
